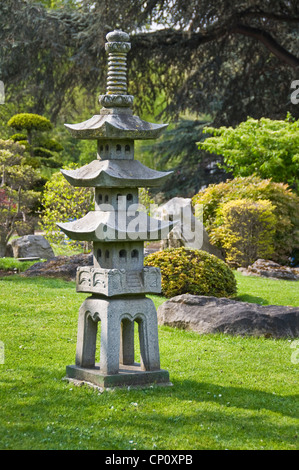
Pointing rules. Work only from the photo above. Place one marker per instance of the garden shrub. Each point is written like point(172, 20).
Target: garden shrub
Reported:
point(30, 121)
point(286, 238)
point(192, 271)
point(18, 137)
point(246, 230)
point(63, 202)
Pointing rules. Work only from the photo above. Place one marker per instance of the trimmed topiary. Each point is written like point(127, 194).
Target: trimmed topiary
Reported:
point(30, 121)
point(196, 272)
point(18, 137)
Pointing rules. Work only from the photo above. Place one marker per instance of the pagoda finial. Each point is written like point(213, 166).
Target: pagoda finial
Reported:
point(118, 46)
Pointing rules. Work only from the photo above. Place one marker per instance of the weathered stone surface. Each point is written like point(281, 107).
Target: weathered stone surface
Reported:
point(111, 226)
point(61, 266)
point(31, 246)
point(117, 317)
point(114, 282)
point(188, 231)
point(267, 268)
point(116, 126)
point(131, 375)
point(118, 280)
point(214, 315)
point(115, 174)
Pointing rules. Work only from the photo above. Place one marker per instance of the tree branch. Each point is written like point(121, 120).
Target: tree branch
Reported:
point(264, 37)
point(192, 40)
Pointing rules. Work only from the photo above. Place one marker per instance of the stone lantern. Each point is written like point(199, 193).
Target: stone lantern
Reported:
point(118, 281)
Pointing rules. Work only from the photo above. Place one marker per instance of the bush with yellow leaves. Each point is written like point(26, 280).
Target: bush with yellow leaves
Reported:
point(192, 271)
point(246, 231)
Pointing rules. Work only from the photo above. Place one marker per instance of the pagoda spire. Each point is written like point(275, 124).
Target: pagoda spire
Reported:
point(118, 46)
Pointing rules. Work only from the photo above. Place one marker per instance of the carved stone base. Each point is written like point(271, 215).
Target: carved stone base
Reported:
point(112, 282)
point(128, 375)
point(117, 318)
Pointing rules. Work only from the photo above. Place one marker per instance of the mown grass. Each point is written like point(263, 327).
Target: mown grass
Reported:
point(13, 264)
point(228, 392)
point(265, 291)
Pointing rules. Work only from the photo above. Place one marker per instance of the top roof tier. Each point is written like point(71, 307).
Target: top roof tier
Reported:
point(116, 119)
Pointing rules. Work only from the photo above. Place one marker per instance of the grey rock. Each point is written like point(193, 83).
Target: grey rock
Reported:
point(220, 315)
point(268, 268)
point(32, 246)
point(61, 266)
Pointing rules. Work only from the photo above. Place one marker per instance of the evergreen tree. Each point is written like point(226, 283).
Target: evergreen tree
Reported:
point(231, 60)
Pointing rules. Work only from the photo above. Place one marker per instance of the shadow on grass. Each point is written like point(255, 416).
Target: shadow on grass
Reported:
point(59, 414)
point(251, 299)
point(238, 397)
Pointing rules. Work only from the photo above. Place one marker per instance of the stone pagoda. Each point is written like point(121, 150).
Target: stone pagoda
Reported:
point(118, 281)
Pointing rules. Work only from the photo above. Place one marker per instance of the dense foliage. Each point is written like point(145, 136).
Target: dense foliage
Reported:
point(178, 151)
point(286, 238)
point(20, 192)
point(246, 230)
point(43, 150)
point(192, 271)
point(269, 148)
point(228, 59)
point(63, 202)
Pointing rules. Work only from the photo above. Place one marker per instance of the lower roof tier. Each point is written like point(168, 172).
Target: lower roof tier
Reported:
point(113, 226)
point(115, 174)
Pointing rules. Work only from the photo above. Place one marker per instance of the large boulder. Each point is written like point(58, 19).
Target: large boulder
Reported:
point(32, 246)
point(188, 231)
point(214, 315)
point(268, 268)
point(64, 267)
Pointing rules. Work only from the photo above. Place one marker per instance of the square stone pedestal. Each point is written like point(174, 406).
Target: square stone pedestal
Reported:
point(128, 375)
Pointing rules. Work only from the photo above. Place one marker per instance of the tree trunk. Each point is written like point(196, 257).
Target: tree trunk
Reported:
point(2, 249)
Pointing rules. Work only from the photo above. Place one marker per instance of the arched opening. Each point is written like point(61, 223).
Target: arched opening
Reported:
point(100, 198)
point(106, 198)
point(130, 197)
point(106, 147)
point(118, 148)
point(127, 148)
point(127, 342)
point(130, 346)
point(107, 254)
point(99, 254)
point(123, 254)
point(135, 254)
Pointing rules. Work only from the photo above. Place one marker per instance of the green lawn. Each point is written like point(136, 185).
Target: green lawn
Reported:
point(228, 392)
point(267, 291)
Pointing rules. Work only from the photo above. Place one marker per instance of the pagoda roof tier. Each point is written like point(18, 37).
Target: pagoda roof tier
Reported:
point(120, 125)
point(110, 226)
point(115, 174)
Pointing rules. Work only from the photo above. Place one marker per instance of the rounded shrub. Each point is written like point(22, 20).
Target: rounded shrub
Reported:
point(30, 121)
point(189, 271)
point(211, 200)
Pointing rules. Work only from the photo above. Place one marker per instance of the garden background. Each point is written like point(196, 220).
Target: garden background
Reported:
point(225, 77)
